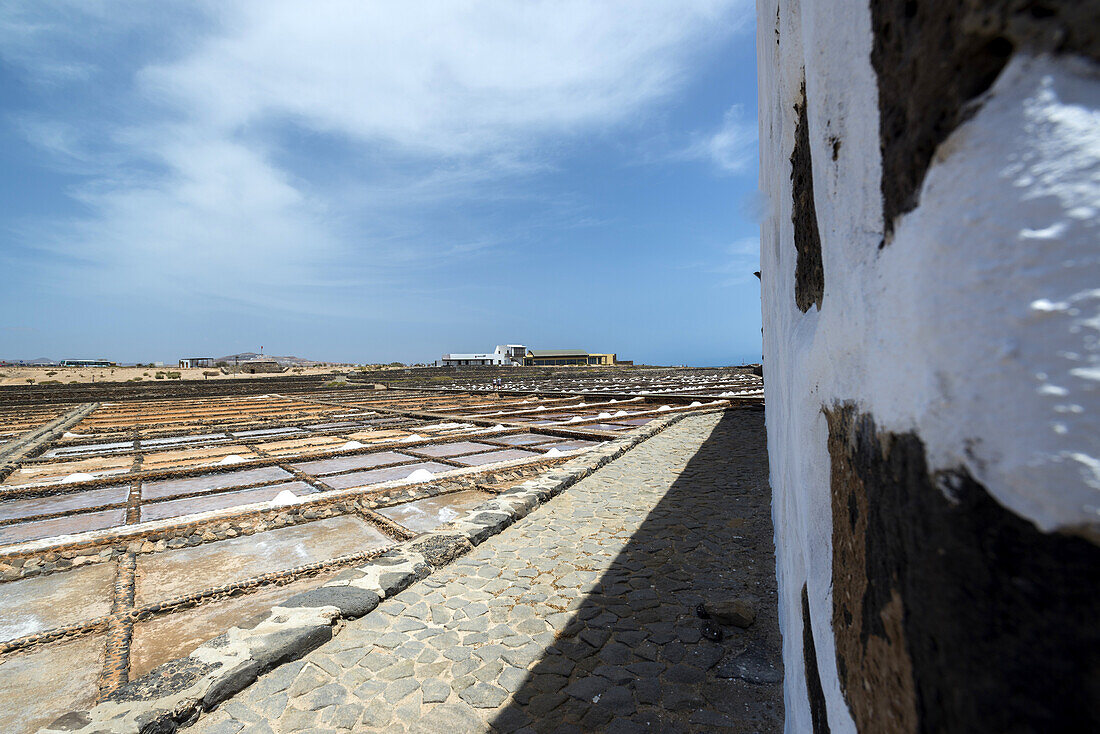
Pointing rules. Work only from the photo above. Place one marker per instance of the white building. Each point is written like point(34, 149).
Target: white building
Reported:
point(503, 355)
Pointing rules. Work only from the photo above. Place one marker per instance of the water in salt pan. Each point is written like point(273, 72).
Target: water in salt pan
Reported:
point(492, 457)
point(187, 570)
point(160, 488)
point(453, 449)
point(426, 514)
point(62, 503)
point(525, 438)
point(361, 461)
point(75, 523)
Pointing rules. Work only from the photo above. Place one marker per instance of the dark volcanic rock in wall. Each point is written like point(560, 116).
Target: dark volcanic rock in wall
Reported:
point(818, 714)
point(932, 57)
point(809, 273)
point(952, 613)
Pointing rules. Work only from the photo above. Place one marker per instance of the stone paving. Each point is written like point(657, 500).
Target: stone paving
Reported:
point(580, 617)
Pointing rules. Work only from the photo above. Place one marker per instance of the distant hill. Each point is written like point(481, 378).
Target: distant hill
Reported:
point(247, 356)
point(39, 362)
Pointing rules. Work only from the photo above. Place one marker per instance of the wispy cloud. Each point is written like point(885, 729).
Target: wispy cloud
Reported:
point(741, 259)
point(732, 147)
point(186, 134)
point(730, 264)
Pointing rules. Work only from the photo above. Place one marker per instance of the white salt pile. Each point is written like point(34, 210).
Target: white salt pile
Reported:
point(413, 437)
point(421, 475)
point(78, 477)
point(352, 445)
point(231, 459)
point(284, 498)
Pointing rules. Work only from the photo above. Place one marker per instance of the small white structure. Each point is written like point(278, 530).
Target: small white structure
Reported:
point(504, 354)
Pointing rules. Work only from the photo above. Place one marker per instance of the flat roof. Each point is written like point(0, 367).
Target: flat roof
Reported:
point(558, 353)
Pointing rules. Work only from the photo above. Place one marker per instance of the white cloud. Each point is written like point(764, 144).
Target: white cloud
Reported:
point(453, 78)
point(737, 262)
point(732, 148)
point(733, 263)
point(742, 259)
point(189, 189)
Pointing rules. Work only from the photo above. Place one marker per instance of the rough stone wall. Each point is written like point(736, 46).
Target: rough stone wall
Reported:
point(933, 174)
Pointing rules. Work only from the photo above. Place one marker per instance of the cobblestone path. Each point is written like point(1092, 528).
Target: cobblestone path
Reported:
point(580, 617)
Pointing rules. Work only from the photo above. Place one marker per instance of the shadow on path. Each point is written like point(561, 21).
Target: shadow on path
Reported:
point(633, 658)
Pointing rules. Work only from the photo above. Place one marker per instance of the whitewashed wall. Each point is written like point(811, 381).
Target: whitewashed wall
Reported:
point(976, 327)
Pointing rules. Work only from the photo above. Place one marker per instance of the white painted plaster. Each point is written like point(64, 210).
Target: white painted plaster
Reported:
point(997, 299)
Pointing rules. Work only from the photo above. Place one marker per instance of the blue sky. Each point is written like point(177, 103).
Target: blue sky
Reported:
point(378, 181)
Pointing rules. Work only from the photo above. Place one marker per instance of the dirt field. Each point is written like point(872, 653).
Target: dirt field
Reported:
point(66, 375)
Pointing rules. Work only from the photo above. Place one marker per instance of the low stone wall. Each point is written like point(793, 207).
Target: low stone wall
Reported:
point(177, 692)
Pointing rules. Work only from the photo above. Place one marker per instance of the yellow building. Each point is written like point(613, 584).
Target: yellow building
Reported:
point(557, 357)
